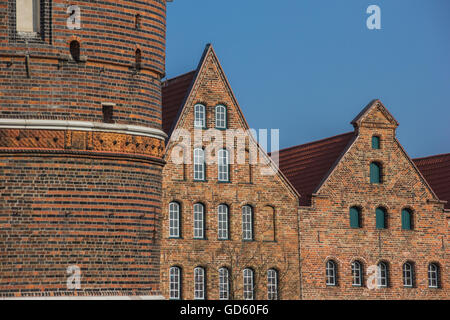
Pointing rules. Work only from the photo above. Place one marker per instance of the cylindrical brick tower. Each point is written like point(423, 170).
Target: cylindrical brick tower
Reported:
point(80, 146)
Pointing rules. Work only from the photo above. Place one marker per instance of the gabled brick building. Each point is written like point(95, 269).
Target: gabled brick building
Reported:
point(226, 233)
point(365, 206)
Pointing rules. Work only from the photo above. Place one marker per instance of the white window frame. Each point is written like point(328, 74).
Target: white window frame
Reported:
point(224, 284)
point(272, 284)
point(174, 220)
point(221, 117)
point(249, 290)
point(247, 223)
point(199, 221)
point(199, 164)
point(222, 225)
point(382, 275)
point(223, 165)
point(331, 269)
point(408, 275)
point(433, 276)
point(175, 283)
point(199, 116)
point(199, 283)
point(35, 15)
point(357, 274)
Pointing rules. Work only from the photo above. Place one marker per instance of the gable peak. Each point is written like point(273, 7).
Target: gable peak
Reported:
point(368, 115)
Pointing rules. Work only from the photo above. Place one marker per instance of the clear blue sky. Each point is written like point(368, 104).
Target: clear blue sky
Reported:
point(308, 67)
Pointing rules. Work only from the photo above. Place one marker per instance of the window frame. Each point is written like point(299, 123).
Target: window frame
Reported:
point(223, 169)
point(378, 166)
point(199, 166)
point(248, 284)
point(376, 142)
point(272, 284)
point(176, 284)
point(247, 223)
point(378, 212)
point(352, 211)
point(436, 278)
point(382, 280)
point(331, 273)
point(199, 283)
point(223, 229)
point(408, 274)
point(174, 226)
point(199, 115)
point(357, 273)
point(407, 214)
point(225, 117)
point(199, 224)
point(224, 283)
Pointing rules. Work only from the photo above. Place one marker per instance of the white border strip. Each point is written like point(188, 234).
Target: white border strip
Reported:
point(82, 126)
point(89, 298)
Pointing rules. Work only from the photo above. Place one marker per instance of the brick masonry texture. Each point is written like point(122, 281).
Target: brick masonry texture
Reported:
point(268, 195)
point(325, 227)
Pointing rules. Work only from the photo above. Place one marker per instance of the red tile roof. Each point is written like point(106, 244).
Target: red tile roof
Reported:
point(307, 165)
point(436, 170)
point(174, 92)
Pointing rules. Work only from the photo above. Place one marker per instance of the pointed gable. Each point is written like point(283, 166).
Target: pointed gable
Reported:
point(375, 114)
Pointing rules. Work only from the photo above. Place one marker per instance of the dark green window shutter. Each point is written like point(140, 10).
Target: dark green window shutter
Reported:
point(406, 219)
point(375, 173)
point(354, 217)
point(380, 217)
point(375, 142)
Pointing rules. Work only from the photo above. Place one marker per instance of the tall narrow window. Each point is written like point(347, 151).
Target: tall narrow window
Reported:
point(375, 142)
point(224, 284)
point(355, 217)
point(380, 216)
point(331, 273)
point(174, 220)
point(408, 274)
point(247, 223)
point(75, 50)
point(199, 164)
point(199, 283)
point(223, 166)
point(222, 214)
point(375, 173)
point(28, 14)
point(137, 21)
point(175, 283)
point(221, 117)
point(199, 116)
point(107, 111)
point(382, 275)
point(272, 284)
point(199, 221)
point(248, 284)
point(138, 59)
point(406, 219)
point(433, 275)
point(357, 274)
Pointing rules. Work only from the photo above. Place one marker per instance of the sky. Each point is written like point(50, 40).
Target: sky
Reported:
point(308, 67)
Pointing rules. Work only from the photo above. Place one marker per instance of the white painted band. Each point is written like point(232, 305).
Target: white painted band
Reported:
point(81, 126)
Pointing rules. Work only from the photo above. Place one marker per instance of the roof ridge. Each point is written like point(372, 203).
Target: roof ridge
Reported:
point(433, 156)
point(317, 141)
point(165, 82)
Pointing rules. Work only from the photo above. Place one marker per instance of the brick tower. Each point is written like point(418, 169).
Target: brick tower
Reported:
point(81, 146)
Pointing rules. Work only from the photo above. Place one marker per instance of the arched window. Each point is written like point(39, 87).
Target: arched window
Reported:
point(375, 142)
point(199, 164)
point(224, 284)
point(221, 117)
point(375, 173)
point(199, 221)
point(357, 274)
point(223, 167)
point(408, 274)
point(75, 50)
point(138, 58)
point(382, 275)
point(407, 219)
point(355, 217)
point(222, 215)
point(272, 284)
point(380, 215)
point(331, 273)
point(433, 275)
point(199, 116)
point(199, 283)
point(175, 283)
point(248, 284)
point(247, 223)
point(174, 220)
